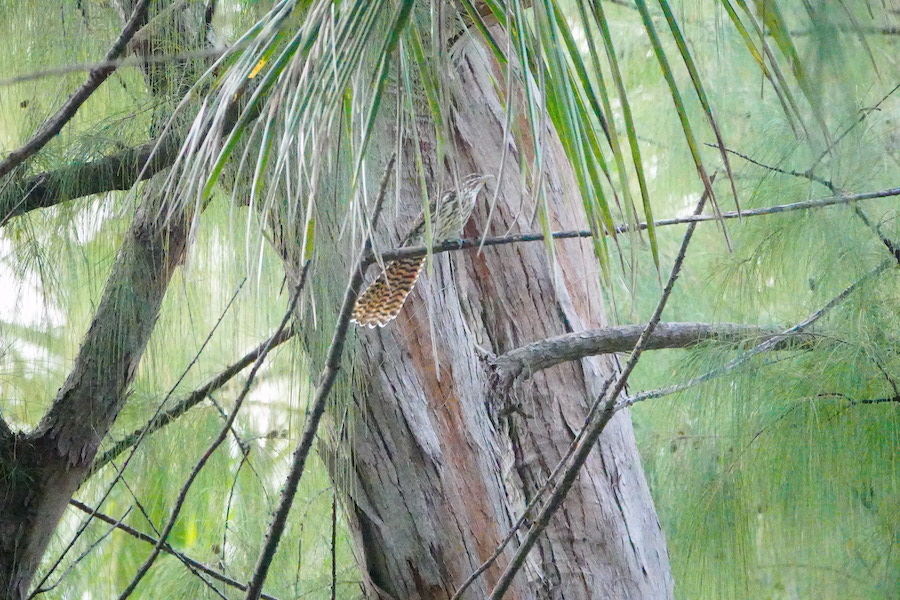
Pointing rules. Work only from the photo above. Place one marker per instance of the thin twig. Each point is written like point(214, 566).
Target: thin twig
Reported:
point(891, 246)
point(316, 409)
point(136, 441)
point(413, 251)
point(875, 400)
point(606, 402)
point(868, 30)
point(138, 435)
point(223, 434)
point(862, 117)
point(333, 545)
point(150, 59)
point(167, 548)
point(82, 556)
point(809, 175)
point(97, 76)
point(763, 347)
point(166, 417)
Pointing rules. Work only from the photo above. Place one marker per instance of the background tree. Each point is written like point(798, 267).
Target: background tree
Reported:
point(326, 128)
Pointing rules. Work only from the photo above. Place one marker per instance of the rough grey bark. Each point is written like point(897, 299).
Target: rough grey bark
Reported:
point(438, 474)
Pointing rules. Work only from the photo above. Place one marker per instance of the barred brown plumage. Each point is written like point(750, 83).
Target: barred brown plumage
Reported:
point(384, 298)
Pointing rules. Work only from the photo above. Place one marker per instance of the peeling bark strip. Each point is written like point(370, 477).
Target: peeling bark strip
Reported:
point(537, 356)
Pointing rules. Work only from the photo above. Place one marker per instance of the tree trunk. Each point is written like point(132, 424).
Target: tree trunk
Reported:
point(442, 466)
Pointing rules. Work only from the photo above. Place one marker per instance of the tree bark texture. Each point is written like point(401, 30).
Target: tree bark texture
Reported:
point(442, 465)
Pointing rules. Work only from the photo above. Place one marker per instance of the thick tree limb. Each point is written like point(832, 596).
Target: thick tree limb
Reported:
point(95, 78)
point(544, 354)
point(118, 171)
point(59, 451)
point(56, 455)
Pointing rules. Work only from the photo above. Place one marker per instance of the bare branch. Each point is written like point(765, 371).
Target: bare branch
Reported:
point(765, 346)
point(891, 246)
point(223, 434)
point(448, 246)
point(189, 562)
point(809, 175)
point(150, 59)
point(854, 402)
point(848, 29)
point(166, 417)
point(876, 400)
point(43, 590)
point(547, 353)
point(97, 76)
point(862, 117)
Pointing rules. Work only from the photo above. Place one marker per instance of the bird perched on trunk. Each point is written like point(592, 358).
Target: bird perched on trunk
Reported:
point(384, 298)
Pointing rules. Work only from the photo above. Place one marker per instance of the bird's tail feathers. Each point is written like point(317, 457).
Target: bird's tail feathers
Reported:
point(384, 298)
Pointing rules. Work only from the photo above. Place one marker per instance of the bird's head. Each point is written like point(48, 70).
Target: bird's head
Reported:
point(474, 183)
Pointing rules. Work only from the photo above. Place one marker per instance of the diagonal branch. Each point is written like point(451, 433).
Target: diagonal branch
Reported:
point(166, 417)
point(214, 445)
point(317, 406)
point(767, 345)
point(167, 548)
point(65, 113)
